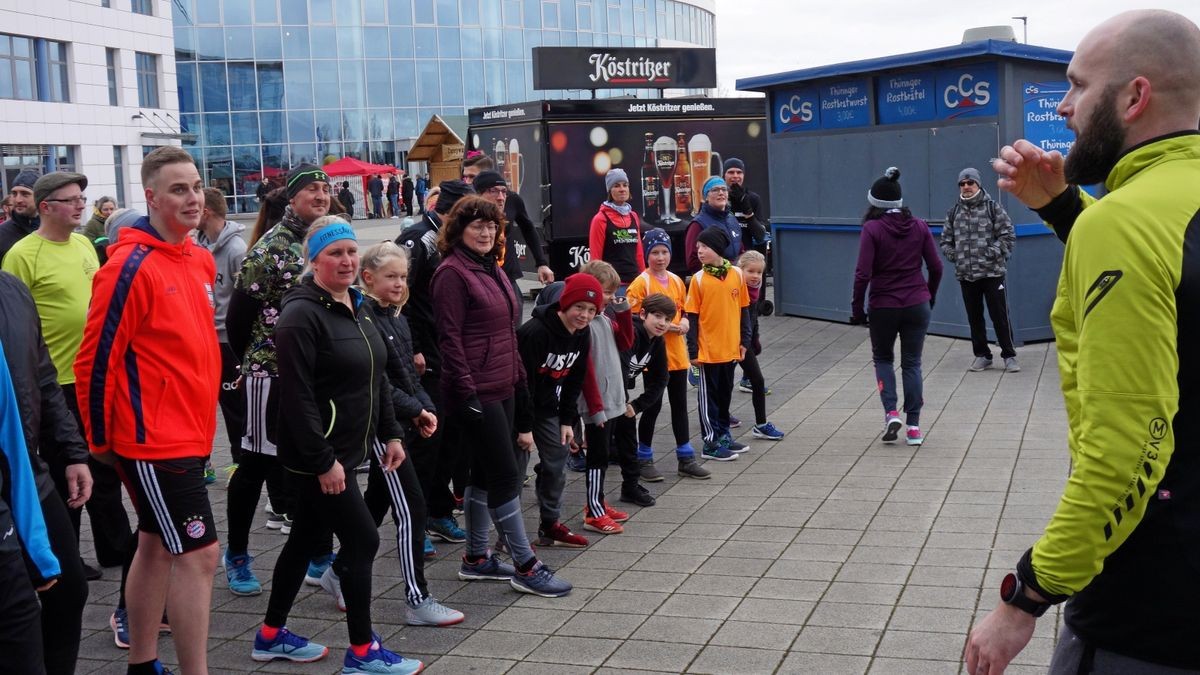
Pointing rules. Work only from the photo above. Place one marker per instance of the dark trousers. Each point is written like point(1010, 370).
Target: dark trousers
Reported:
point(421, 202)
point(433, 458)
point(400, 491)
point(233, 400)
point(716, 393)
point(62, 603)
point(20, 626)
point(994, 292)
point(314, 516)
point(624, 441)
point(487, 446)
point(677, 390)
point(245, 489)
point(598, 439)
point(758, 386)
point(910, 324)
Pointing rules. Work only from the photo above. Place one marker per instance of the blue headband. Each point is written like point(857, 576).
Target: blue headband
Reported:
point(327, 235)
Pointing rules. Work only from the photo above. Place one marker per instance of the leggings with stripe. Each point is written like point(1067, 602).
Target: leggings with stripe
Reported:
point(400, 490)
point(598, 440)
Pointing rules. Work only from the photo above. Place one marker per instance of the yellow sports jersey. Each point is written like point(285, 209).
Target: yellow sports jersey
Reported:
point(59, 275)
point(645, 284)
point(719, 303)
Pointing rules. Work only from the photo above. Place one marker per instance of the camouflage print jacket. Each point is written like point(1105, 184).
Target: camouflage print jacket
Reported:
point(272, 266)
point(978, 238)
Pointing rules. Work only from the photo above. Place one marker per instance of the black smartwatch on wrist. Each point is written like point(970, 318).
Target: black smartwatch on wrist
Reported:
point(1012, 592)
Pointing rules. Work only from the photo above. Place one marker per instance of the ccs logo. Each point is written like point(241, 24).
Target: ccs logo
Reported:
point(1032, 89)
point(796, 111)
point(967, 92)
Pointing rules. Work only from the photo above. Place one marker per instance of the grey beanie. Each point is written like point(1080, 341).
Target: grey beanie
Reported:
point(613, 177)
point(970, 173)
point(25, 179)
point(119, 219)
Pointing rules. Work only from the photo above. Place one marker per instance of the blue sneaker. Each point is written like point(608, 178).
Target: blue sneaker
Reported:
point(488, 568)
point(734, 447)
point(540, 581)
point(766, 431)
point(119, 622)
point(577, 462)
point(317, 567)
point(430, 551)
point(734, 422)
point(240, 574)
point(380, 660)
point(446, 529)
point(718, 451)
point(744, 385)
point(288, 646)
point(694, 376)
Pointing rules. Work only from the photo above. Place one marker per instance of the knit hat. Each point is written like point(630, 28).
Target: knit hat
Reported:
point(613, 177)
point(486, 180)
point(25, 179)
point(46, 185)
point(302, 176)
point(715, 238)
point(118, 220)
point(581, 287)
point(969, 174)
point(885, 192)
point(713, 182)
point(655, 237)
point(733, 163)
point(450, 191)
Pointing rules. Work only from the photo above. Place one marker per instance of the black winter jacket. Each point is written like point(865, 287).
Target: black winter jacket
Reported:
point(423, 258)
point(15, 229)
point(515, 212)
point(555, 363)
point(334, 396)
point(409, 398)
point(649, 356)
point(44, 410)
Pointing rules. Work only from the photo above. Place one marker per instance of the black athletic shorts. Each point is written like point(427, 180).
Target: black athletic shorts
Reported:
point(171, 500)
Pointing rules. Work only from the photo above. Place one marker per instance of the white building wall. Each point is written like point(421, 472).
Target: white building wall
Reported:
point(88, 122)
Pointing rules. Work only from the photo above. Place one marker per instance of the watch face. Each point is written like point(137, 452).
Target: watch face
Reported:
point(1008, 587)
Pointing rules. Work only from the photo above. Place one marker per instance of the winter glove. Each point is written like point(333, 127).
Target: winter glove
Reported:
point(472, 410)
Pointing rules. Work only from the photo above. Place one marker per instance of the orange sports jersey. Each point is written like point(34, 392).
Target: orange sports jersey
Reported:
point(719, 303)
point(645, 284)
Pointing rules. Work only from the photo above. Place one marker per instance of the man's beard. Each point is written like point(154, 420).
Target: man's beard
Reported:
point(1097, 149)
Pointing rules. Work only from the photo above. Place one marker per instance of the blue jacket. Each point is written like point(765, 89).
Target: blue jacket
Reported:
point(709, 217)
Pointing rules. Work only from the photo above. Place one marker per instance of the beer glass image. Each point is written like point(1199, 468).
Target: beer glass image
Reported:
point(516, 168)
point(665, 154)
point(700, 154)
point(502, 158)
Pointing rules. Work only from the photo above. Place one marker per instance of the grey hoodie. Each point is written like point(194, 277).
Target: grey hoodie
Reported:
point(227, 251)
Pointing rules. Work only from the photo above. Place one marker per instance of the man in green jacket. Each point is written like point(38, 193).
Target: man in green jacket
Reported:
point(1123, 546)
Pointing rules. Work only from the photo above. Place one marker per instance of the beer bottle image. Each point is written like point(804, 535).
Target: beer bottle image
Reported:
point(664, 160)
point(649, 182)
point(683, 179)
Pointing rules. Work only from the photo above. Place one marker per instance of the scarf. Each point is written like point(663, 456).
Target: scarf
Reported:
point(292, 222)
point(718, 271)
point(754, 293)
point(488, 262)
point(622, 209)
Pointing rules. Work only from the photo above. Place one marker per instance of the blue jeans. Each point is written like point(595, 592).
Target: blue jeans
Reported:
point(395, 203)
point(377, 206)
point(911, 324)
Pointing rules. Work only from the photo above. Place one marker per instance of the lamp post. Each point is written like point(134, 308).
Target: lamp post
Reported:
point(1024, 26)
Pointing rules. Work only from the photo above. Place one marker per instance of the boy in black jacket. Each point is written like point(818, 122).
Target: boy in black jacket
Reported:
point(649, 356)
point(554, 347)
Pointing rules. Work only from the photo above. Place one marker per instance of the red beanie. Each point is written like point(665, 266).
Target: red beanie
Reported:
point(581, 288)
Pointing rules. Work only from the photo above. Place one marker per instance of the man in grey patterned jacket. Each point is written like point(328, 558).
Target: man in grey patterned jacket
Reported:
point(978, 239)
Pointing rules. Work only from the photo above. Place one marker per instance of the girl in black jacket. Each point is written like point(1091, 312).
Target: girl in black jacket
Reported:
point(333, 384)
point(385, 280)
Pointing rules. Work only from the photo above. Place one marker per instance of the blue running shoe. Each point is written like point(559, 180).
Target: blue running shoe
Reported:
point(430, 551)
point(694, 376)
point(446, 529)
point(734, 422)
point(767, 431)
point(718, 451)
point(540, 581)
point(240, 574)
point(488, 568)
point(288, 646)
point(734, 447)
point(119, 622)
point(577, 462)
point(317, 567)
point(380, 660)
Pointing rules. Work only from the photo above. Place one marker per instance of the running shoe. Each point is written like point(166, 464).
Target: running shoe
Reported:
point(288, 646)
point(430, 551)
point(744, 385)
point(734, 422)
point(636, 494)
point(332, 583)
point(490, 568)
point(603, 524)
point(446, 529)
point(892, 426)
point(317, 567)
point(694, 376)
point(432, 613)
point(577, 462)
point(540, 580)
point(240, 575)
point(767, 431)
point(560, 535)
point(119, 622)
point(380, 660)
point(718, 451)
point(617, 516)
point(276, 521)
point(735, 447)
point(1011, 365)
point(980, 363)
point(210, 474)
point(914, 436)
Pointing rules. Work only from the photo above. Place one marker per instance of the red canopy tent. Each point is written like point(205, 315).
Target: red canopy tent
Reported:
point(346, 167)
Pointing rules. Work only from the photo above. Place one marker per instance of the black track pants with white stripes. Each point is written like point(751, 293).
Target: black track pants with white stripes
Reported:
point(400, 490)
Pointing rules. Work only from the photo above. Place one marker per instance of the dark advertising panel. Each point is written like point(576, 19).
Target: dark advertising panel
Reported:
point(618, 68)
point(667, 161)
point(516, 150)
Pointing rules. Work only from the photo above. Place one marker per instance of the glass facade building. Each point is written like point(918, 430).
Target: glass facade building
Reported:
point(266, 84)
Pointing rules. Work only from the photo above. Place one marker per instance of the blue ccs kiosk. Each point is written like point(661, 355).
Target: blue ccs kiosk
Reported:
point(834, 129)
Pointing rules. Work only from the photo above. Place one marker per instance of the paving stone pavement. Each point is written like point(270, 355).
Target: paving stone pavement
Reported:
point(826, 552)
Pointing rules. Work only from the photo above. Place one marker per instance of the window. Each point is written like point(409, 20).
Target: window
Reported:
point(110, 62)
point(16, 68)
point(56, 70)
point(147, 79)
point(119, 172)
point(143, 7)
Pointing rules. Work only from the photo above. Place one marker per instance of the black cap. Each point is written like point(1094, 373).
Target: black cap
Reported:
point(715, 238)
point(301, 176)
point(451, 192)
point(486, 180)
point(885, 192)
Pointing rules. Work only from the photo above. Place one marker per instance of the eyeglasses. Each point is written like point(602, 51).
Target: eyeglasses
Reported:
point(69, 200)
point(966, 182)
point(497, 191)
point(719, 190)
point(481, 226)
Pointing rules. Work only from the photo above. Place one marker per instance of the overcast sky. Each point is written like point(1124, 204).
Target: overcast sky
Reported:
point(761, 37)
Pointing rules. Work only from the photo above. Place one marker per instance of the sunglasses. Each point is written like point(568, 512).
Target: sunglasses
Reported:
point(966, 182)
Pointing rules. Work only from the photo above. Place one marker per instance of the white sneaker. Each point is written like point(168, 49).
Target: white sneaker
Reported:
point(332, 583)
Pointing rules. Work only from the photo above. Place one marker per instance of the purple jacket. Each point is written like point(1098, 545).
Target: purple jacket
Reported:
point(890, 252)
point(476, 309)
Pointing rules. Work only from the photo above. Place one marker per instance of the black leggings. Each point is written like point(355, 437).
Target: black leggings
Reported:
point(434, 458)
point(488, 445)
point(400, 490)
point(233, 401)
point(314, 516)
point(677, 393)
point(758, 385)
point(245, 489)
point(20, 640)
point(62, 603)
